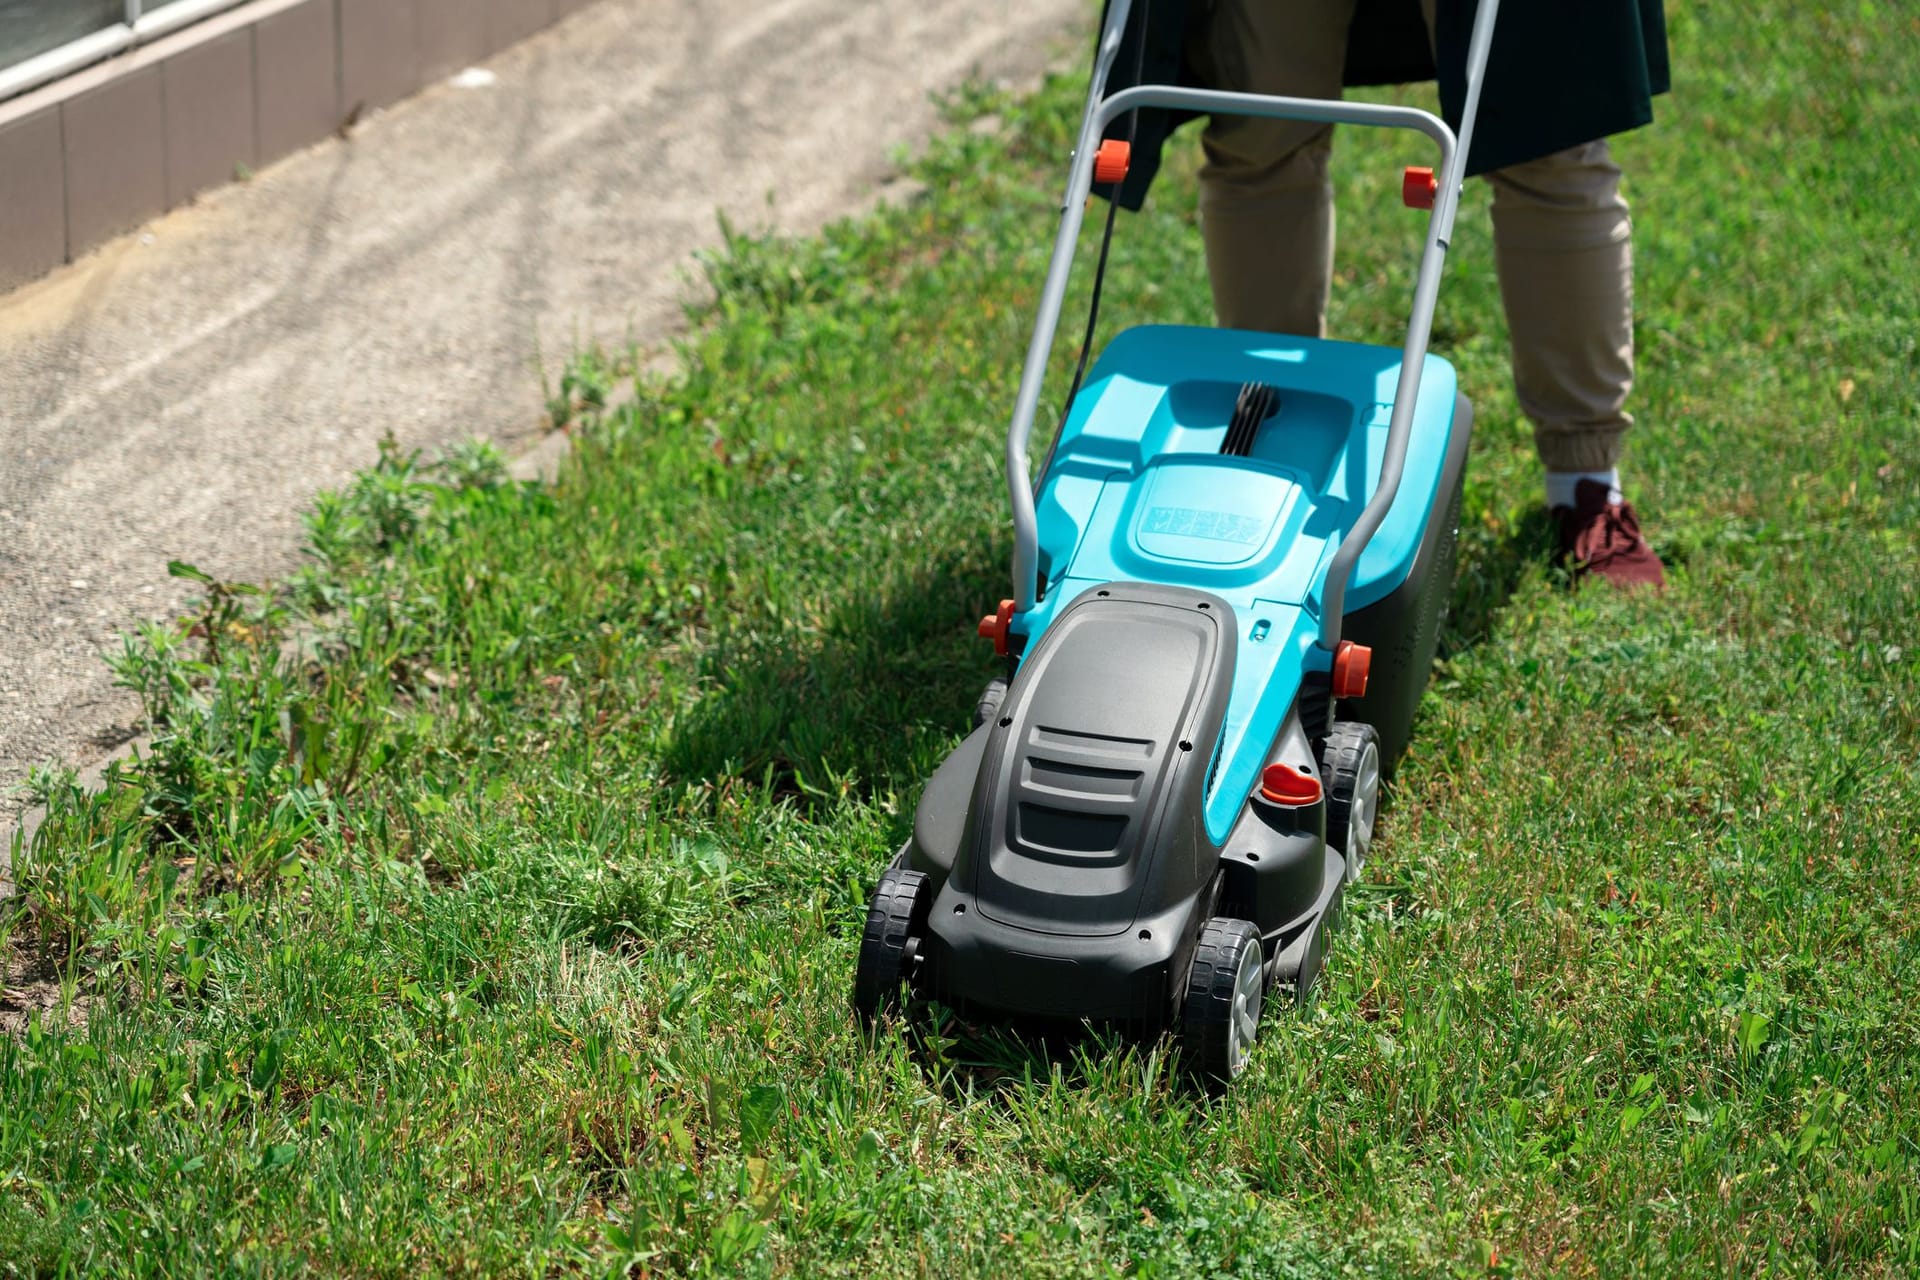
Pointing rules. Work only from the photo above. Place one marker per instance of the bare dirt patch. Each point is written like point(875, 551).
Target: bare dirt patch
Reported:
point(32, 987)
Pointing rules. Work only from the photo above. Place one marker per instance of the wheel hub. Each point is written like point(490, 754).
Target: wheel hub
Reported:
point(1366, 805)
point(1249, 988)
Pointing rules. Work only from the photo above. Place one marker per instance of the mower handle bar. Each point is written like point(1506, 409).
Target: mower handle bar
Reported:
point(1102, 111)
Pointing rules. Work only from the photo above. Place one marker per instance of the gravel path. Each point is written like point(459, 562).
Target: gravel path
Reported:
point(182, 392)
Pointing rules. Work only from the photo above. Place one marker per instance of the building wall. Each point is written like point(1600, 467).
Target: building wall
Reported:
point(102, 151)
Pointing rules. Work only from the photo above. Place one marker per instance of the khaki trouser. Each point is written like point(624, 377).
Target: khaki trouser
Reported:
point(1561, 232)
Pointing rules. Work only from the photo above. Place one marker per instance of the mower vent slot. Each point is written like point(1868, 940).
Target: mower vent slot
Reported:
point(1092, 744)
point(1069, 833)
point(1257, 402)
point(1080, 781)
point(1219, 751)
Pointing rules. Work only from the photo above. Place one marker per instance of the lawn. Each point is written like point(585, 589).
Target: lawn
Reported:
point(488, 898)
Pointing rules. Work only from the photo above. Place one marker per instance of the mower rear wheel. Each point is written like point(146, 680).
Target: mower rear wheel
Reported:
point(896, 923)
point(1226, 987)
point(1350, 763)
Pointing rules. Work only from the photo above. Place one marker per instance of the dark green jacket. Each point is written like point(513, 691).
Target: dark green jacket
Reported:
point(1559, 72)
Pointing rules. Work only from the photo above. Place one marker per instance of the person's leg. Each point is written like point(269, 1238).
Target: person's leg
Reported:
point(1266, 203)
point(1563, 248)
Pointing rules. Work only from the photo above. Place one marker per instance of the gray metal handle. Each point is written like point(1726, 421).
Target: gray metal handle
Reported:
point(1102, 111)
point(1026, 528)
point(1419, 328)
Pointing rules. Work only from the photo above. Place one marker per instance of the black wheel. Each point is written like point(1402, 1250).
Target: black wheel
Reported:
point(1350, 763)
point(1226, 987)
point(990, 699)
point(896, 922)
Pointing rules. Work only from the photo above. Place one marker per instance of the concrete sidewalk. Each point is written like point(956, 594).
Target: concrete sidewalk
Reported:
point(183, 392)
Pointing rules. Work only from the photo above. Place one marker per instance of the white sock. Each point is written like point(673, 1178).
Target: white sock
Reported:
point(1561, 484)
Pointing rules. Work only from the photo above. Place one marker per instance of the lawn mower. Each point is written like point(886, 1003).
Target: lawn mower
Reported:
point(1227, 591)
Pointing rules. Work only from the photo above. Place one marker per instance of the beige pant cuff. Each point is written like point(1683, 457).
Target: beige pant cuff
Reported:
point(1581, 448)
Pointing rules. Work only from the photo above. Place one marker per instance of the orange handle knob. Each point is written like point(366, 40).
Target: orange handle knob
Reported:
point(994, 627)
point(1350, 665)
point(1418, 188)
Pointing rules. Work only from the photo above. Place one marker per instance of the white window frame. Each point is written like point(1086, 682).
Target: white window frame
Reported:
point(138, 28)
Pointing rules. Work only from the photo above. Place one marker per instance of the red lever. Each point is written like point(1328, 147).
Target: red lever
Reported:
point(994, 627)
point(1283, 784)
point(1418, 188)
point(1111, 160)
point(1350, 665)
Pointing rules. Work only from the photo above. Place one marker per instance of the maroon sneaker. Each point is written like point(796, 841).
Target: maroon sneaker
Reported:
point(1601, 537)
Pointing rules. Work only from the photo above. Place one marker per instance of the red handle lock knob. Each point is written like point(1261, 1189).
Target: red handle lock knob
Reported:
point(1418, 187)
point(994, 627)
point(1110, 162)
point(1351, 663)
point(1288, 787)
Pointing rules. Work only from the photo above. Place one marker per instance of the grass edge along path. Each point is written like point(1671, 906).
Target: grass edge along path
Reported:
point(487, 899)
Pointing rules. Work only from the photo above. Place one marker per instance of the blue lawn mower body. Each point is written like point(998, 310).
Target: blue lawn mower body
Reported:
point(1237, 535)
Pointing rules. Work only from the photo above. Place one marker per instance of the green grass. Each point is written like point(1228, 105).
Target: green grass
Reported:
point(487, 901)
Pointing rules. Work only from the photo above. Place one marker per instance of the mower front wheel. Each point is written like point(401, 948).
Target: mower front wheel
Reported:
point(990, 699)
point(1226, 987)
point(896, 923)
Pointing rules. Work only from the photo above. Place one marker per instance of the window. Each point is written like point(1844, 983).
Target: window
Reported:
point(32, 27)
point(42, 40)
